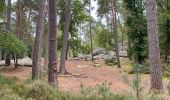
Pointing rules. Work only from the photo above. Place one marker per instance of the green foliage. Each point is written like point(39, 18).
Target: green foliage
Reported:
point(136, 27)
point(104, 37)
point(10, 44)
point(79, 16)
point(2, 6)
point(86, 48)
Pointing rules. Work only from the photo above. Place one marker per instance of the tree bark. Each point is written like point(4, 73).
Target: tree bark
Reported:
point(153, 41)
point(65, 38)
point(28, 23)
point(17, 19)
point(21, 26)
point(90, 26)
point(114, 13)
point(8, 28)
point(38, 41)
point(168, 33)
point(52, 66)
point(19, 23)
point(47, 43)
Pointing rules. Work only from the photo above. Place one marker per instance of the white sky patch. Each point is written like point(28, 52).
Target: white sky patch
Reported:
point(94, 11)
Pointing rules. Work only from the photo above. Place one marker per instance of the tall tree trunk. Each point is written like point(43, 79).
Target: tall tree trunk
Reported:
point(153, 41)
point(107, 34)
point(47, 42)
point(19, 23)
point(114, 13)
point(90, 26)
point(65, 38)
point(8, 15)
point(17, 18)
point(52, 71)
point(28, 23)
point(8, 27)
point(21, 26)
point(168, 33)
point(38, 41)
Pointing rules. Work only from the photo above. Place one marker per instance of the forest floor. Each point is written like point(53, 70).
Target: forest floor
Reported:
point(84, 73)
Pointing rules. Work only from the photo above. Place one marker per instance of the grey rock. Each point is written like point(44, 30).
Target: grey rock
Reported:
point(99, 51)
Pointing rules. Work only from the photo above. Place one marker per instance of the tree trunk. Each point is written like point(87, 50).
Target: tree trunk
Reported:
point(8, 15)
point(19, 23)
point(168, 34)
point(28, 23)
point(47, 43)
point(38, 41)
point(17, 19)
point(52, 71)
point(91, 36)
point(114, 13)
point(21, 26)
point(153, 41)
point(65, 38)
point(8, 27)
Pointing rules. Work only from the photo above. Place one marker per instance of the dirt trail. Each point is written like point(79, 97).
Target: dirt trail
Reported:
point(84, 72)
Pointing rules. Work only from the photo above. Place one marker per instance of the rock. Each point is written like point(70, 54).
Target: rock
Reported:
point(21, 62)
point(123, 54)
point(111, 54)
point(84, 57)
point(2, 63)
point(101, 56)
point(99, 51)
point(25, 62)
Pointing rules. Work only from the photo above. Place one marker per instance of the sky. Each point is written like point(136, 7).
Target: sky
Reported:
point(93, 13)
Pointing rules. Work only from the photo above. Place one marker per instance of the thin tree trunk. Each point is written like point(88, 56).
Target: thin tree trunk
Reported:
point(8, 15)
point(28, 22)
point(21, 26)
point(52, 66)
point(38, 41)
point(65, 38)
point(153, 41)
point(47, 43)
point(17, 19)
point(114, 12)
point(168, 34)
point(90, 26)
point(8, 27)
point(107, 35)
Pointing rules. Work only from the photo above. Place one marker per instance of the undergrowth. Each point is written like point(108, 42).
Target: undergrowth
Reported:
point(11, 89)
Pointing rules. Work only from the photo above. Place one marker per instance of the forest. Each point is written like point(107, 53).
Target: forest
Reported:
point(84, 49)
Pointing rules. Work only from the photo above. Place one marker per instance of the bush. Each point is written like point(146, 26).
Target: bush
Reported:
point(10, 44)
point(144, 68)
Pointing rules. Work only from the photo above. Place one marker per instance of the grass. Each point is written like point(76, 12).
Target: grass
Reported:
point(10, 89)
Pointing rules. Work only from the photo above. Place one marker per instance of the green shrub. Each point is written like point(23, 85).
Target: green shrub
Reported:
point(10, 44)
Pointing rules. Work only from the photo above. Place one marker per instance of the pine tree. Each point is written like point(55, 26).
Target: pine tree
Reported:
point(38, 41)
point(153, 41)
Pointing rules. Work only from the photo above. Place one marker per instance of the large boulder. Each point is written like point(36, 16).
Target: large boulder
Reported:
point(84, 57)
point(111, 54)
point(25, 62)
point(99, 51)
point(123, 54)
point(21, 62)
point(101, 56)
